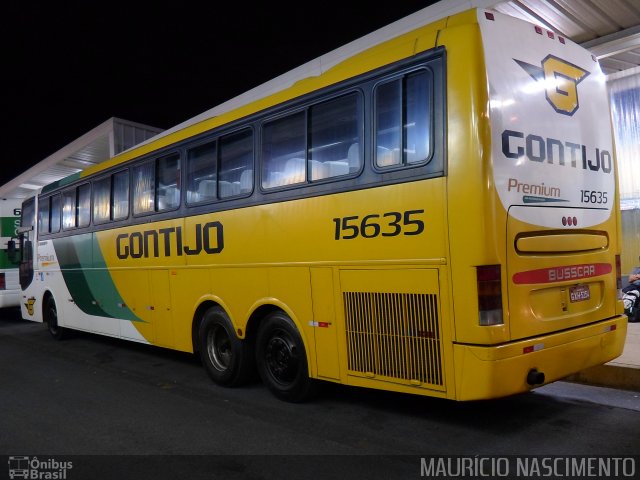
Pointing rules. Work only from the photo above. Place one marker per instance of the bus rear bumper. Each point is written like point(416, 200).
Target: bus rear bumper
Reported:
point(498, 371)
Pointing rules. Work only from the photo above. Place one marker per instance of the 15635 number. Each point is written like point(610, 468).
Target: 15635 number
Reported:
point(388, 224)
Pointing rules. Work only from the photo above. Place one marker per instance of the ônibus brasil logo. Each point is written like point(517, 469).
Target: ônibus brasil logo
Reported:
point(560, 79)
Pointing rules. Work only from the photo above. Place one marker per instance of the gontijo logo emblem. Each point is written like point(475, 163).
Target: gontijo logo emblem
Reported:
point(560, 79)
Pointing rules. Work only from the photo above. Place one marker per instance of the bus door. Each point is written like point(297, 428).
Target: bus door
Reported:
point(553, 171)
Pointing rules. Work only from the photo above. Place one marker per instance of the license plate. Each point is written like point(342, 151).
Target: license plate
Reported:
point(579, 293)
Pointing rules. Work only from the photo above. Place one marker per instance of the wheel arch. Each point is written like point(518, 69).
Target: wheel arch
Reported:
point(45, 298)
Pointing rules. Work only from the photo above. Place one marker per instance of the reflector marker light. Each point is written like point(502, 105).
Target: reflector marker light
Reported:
point(533, 348)
point(313, 323)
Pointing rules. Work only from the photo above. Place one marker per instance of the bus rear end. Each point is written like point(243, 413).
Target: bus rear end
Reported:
point(555, 292)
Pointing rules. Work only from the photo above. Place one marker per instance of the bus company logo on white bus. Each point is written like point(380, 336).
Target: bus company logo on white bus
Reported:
point(46, 260)
point(31, 301)
point(560, 80)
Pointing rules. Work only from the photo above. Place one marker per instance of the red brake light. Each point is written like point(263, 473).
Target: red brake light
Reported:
point(489, 278)
point(3, 282)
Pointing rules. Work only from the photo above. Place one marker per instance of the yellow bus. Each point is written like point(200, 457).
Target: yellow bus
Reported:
point(431, 209)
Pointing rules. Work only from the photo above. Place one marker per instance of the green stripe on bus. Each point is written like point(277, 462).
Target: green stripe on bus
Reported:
point(87, 279)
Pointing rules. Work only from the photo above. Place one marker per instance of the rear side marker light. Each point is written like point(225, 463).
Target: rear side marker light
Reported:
point(3, 282)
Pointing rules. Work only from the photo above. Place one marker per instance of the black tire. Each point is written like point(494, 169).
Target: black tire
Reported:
point(50, 315)
point(226, 358)
point(282, 359)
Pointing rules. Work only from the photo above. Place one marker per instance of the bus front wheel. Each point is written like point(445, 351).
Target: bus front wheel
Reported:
point(51, 318)
point(282, 360)
point(225, 357)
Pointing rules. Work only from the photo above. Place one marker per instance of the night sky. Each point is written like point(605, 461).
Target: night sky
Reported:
point(69, 66)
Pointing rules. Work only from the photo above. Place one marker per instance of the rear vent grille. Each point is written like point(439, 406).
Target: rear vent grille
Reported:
point(394, 335)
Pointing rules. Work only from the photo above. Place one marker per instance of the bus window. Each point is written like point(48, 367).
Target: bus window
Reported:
point(144, 182)
point(69, 209)
point(84, 205)
point(54, 222)
point(201, 173)
point(43, 216)
point(405, 142)
point(417, 128)
point(102, 200)
point(120, 199)
point(168, 194)
point(335, 137)
point(283, 146)
point(235, 157)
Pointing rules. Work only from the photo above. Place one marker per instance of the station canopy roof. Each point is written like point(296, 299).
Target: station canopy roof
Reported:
point(97, 145)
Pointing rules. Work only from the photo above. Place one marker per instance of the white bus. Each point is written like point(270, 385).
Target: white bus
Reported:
point(9, 222)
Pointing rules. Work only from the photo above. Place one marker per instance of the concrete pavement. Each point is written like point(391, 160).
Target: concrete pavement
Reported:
point(622, 372)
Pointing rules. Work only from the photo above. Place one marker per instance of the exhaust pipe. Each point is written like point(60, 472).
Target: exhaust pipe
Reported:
point(534, 377)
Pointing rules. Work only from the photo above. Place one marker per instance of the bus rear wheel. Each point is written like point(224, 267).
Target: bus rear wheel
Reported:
point(225, 357)
point(282, 360)
point(50, 315)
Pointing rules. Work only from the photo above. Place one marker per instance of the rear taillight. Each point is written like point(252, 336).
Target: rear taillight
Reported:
point(3, 282)
point(619, 276)
point(489, 295)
